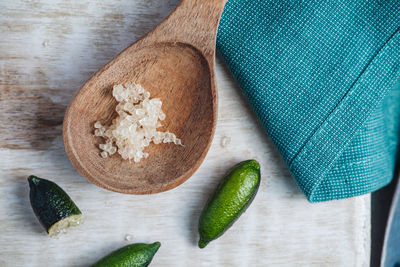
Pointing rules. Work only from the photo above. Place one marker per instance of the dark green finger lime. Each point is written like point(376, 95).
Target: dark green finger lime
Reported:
point(52, 206)
point(230, 199)
point(134, 255)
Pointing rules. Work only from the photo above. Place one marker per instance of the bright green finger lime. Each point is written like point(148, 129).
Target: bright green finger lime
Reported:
point(134, 255)
point(230, 200)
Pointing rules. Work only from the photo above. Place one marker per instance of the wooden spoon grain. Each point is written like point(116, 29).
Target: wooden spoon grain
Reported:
point(176, 63)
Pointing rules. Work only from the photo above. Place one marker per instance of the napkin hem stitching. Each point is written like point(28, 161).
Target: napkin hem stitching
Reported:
point(379, 95)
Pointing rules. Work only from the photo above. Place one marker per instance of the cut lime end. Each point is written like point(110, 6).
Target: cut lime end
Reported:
point(62, 225)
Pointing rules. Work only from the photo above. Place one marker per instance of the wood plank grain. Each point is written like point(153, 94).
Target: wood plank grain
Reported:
point(48, 49)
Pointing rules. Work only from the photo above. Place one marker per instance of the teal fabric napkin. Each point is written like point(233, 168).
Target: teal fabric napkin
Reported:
point(323, 79)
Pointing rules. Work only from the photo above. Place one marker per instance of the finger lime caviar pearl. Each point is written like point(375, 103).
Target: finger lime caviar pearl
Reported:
point(135, 127)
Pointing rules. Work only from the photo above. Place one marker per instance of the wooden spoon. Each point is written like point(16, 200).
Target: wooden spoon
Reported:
point(175, 62)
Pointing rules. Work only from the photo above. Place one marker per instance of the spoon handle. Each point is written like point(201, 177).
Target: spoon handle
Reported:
point(193, 22)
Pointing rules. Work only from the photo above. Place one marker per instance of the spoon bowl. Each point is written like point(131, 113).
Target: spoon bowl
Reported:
point(175, 65)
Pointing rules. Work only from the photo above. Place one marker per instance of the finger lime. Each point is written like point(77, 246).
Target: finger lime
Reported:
point(134, 255)
point(230, 199)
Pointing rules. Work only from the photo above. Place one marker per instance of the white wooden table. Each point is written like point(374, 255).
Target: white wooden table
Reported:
point(48, 49)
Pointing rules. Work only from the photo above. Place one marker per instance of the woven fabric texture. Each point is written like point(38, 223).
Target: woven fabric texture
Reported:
point(323, 78)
